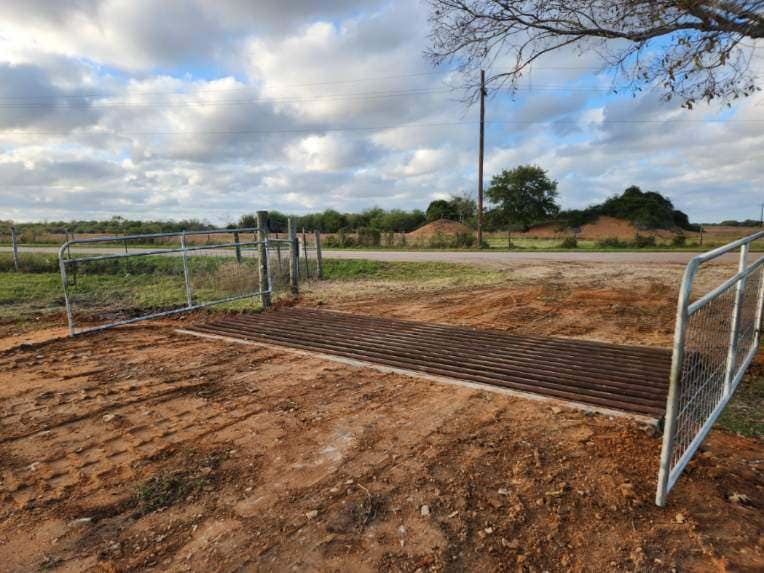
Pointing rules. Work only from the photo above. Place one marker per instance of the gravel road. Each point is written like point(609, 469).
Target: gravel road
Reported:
point(489, 258)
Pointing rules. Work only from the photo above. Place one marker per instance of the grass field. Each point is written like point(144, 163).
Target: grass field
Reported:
point(154, 284)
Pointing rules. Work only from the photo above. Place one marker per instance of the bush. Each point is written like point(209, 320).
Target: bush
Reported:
point(369, 237)
point(642, 241)
point(611, 243)
point(679, 241)
point(569, 243)
point(330, 242)
point(466, 240)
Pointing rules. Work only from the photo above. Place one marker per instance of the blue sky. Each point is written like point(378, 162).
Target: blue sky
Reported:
point(213, 110)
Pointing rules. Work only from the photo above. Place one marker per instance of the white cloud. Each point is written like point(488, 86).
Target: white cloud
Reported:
point(199, 109)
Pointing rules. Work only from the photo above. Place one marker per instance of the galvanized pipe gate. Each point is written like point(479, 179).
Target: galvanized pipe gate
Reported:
point(715, 340)
point(225, 260)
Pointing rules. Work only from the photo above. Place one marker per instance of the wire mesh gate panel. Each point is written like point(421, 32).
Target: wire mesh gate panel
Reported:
point(715, 340)
point(607, 376)
point(118, 280)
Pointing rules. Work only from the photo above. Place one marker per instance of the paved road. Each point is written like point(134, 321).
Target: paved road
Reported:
point(492, 258)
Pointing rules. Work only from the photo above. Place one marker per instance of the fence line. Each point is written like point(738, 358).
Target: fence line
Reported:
point(178, 278)
point(715, 340)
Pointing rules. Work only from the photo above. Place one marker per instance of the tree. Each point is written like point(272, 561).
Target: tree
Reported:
point(464, 206)
point(691, 49)
point(441, 209)
point(647, 209)
point(522, 196)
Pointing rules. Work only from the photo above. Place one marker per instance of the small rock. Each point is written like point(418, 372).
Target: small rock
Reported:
point(80, 521)
point(453, 514)
point(627, 490)
point(740, 498)
point(503, 491)
point(425, 510)
point(488, 530)
point(109, 417)
point(312, 514)
point(556, 409)
point(679, 518)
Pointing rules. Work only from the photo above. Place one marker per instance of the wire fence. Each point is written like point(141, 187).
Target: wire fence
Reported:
point(118, 280)
point(715, 341)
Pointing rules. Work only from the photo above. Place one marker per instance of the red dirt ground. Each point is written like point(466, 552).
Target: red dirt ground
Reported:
point(142, 449)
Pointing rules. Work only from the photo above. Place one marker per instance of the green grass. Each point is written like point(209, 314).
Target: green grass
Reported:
point(165, 490)
point(744, 414)
point(349, 269)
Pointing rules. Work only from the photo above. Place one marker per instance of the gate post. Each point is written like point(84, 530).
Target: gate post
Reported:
point(237, 247)
point(65, 284)
point(319, 260)
point(15, 248)
point(186, 270)
point(262, 251)
point(305, 253)
point(293, 256)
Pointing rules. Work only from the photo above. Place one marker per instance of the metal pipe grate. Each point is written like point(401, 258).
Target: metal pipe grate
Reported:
point(631, 379)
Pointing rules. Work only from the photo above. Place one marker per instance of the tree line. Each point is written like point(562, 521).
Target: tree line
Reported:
point(516, 200)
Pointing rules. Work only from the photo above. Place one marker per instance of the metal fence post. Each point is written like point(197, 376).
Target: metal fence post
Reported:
point(729, 373)
point(65, 283)
point(15, 249)
point(672, 400)
point(294, 255)
point(319, 259)
point(186, 270)
point(262, 250)
point(305, 253)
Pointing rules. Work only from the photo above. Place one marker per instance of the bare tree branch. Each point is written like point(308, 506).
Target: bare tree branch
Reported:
point(690, 49)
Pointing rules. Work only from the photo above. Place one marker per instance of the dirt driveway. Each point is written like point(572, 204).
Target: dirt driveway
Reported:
point(144, 449)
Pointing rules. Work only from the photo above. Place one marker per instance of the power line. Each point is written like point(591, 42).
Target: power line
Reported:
point(288, 86)
point(394, 126)
point(319, 98)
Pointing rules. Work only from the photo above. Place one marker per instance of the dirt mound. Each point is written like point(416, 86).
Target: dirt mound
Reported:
point(603, 227)
point(439, 227)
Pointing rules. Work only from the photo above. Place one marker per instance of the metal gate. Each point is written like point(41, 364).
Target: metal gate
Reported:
point(112, 281)
point(715, 340)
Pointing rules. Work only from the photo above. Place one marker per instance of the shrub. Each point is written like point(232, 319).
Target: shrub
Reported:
point(368, 237)
point(465, 240)
point(330, 242)
point(679, 241)
point(611, 243)
point(439, 241)
point(642, 241)
point(569, 243)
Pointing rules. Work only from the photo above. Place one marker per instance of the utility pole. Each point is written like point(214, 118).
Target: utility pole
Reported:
point(761, 221)
point(480, 162)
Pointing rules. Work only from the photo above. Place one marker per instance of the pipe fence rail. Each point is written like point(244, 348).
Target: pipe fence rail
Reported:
point(715, 340)
point(112, 281)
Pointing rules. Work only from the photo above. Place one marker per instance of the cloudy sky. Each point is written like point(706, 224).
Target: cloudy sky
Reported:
point(186, 108)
